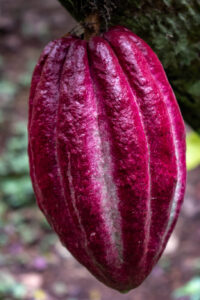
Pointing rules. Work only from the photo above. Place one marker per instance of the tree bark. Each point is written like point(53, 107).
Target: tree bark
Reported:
point(170, 27)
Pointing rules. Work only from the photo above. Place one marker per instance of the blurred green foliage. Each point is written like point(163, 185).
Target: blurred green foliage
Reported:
point(10, 287)
point(8, 89)
point(193, 150)
point(25, 78)
point(15, 184)
point(191, 289)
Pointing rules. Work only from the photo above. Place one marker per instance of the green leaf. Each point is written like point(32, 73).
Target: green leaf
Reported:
point(193, 150)
point(167, 2)
point(8, 88)
point(9, 286)
point(28, 234)
point(194, 89)
point(192, 288)
point(19, 291)
point(17, 192)
point(15, 185)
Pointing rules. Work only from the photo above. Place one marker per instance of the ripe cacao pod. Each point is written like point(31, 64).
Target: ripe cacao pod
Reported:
point(107, 152)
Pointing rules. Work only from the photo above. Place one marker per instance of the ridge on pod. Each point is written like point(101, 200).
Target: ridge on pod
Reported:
point(107, 152)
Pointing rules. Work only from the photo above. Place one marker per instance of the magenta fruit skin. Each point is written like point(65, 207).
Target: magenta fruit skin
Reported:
point(107, 153)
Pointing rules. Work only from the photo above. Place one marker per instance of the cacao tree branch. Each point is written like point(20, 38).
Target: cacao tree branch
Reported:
point(171, 28)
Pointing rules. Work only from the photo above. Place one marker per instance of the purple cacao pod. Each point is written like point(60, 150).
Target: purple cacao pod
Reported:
point(107, 153)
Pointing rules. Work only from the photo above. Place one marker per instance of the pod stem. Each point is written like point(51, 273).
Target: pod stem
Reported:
point(91, 26)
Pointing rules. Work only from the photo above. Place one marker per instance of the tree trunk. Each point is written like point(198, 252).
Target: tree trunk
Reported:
point(170, 27)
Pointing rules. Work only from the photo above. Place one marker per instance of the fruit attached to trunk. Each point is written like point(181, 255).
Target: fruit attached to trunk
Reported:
point(107, 152)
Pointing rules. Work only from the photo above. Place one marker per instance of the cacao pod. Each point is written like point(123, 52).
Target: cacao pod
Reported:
point(107, 152)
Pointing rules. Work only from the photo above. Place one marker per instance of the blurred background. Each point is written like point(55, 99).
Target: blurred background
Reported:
point(33, 263)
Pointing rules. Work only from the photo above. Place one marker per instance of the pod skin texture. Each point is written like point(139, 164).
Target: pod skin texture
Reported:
point(107, 153)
